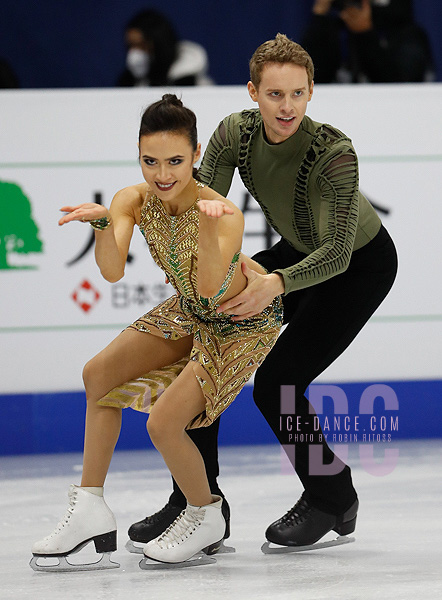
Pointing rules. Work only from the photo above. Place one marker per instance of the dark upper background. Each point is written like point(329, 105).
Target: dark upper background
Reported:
point(80, 43)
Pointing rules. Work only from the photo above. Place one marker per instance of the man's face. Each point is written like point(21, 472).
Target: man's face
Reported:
point(282, 98)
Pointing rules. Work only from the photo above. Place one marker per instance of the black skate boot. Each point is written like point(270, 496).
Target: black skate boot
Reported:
point(152, 526)
point(303, 525)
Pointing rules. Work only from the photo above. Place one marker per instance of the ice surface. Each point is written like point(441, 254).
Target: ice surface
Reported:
point(397, 554)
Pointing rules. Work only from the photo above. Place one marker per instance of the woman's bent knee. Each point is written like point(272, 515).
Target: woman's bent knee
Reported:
point(92, 381)
point(88, 373)
point(154, 429)
point(160, 429)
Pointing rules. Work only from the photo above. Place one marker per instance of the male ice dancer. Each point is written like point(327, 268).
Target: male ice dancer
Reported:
point(334, 265)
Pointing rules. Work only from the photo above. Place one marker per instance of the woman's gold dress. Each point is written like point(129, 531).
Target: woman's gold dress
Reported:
point(226, 352)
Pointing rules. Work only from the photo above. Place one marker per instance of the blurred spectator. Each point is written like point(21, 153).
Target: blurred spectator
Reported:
point(8, 79)
point(357, 41)
point(156, 57)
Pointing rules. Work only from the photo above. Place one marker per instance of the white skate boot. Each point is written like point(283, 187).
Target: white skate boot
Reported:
point(88, 518)
point(197, 532)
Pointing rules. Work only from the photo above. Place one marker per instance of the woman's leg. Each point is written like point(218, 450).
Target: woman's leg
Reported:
point(129, 356)
point(206, 440)
point(178, 405)
point(201, 526)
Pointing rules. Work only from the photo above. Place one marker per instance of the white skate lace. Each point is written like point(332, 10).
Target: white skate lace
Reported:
point(182, 528)
point(72, 494)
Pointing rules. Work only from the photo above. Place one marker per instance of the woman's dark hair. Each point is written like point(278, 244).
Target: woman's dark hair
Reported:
point(169, 114)
point(159, 32)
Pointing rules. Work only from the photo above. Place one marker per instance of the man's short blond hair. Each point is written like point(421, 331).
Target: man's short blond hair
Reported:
point(279, 50)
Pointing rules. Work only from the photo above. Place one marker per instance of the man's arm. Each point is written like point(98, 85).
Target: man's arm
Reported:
point(338, 183)
point(338, 186)
point(219, 164)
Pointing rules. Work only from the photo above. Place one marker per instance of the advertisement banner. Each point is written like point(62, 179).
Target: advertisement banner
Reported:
point(68, 147)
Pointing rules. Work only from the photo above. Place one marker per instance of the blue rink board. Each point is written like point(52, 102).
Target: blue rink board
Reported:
point(53, 422)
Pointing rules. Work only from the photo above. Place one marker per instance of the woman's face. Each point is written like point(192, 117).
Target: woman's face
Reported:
point(167, 161)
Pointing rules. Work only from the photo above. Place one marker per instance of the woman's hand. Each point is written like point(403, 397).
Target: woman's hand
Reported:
point(214, 208)
point(83, 212)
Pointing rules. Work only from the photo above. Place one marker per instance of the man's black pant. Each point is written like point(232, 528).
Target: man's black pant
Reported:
point(322, 320)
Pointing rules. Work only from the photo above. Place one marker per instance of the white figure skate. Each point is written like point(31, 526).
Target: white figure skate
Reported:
point(194, 535)
point(88, 518)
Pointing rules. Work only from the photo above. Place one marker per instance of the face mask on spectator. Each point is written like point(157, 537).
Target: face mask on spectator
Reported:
point(138, 62)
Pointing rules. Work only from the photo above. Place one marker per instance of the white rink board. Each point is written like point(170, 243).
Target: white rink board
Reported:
point(63, 147)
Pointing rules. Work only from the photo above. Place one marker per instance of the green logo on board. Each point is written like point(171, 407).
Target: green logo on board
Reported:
point(18, 231)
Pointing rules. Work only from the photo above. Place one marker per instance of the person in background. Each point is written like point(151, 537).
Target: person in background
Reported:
point(8, 79)
point(360, 41)
point(156, 57)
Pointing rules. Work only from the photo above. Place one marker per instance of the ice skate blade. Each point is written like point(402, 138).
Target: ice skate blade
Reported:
point(339, 541)
point(132, 547)
point(226, 549)
point(64, 566)
point(149, 564)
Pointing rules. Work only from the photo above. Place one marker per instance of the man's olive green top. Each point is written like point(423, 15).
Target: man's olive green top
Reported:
point(307, 187)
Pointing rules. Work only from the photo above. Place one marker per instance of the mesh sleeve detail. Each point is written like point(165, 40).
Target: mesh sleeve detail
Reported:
point(335, 173)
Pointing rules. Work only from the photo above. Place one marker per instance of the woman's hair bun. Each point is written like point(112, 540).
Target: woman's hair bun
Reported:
point(172, 99)
point(169, 114)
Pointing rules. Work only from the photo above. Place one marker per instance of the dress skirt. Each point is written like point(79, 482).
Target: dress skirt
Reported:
point(227, 353)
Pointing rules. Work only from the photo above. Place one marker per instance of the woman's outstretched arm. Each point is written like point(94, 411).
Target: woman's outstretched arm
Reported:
point(220, 235)
point(111, 243)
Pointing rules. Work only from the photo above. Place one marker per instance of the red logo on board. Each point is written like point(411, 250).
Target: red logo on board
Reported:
point(85, 295)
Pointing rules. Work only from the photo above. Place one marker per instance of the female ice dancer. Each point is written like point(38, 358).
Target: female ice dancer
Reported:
point(195, 236)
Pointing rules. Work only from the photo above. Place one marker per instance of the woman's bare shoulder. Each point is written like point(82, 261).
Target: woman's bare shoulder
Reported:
point(128, 201)
point(132, 194)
